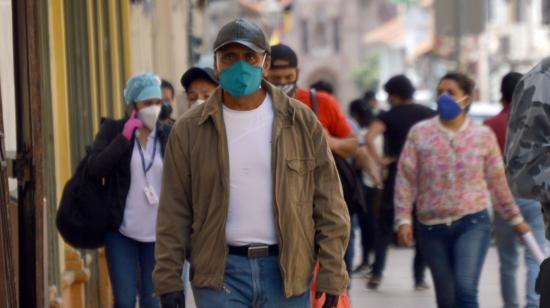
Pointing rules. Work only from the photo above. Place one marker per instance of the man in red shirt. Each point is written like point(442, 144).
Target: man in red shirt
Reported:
point(284, 74)
point(507, 243)
point(499, 122)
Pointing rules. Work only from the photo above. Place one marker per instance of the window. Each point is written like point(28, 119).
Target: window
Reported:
point(321, 35)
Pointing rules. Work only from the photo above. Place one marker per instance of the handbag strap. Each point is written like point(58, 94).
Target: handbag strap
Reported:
point(313, 98)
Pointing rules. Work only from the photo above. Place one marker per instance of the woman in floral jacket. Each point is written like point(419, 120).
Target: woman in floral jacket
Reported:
point(451, 168)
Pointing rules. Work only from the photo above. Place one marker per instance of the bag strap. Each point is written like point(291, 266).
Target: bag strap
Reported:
point(313, 98)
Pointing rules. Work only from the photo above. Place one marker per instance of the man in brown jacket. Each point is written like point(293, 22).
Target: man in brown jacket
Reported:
point(250, 192)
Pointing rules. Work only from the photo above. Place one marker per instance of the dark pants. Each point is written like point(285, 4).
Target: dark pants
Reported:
point(419, 262)
point(385, 236)
point(455, 255)
point(543, 284)
point(126, 258)
point(367, 223)
point(350, 251)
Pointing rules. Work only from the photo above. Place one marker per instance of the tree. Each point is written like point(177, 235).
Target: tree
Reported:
point(367, 76)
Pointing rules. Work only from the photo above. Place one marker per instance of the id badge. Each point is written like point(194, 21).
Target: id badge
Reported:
point(151, 195)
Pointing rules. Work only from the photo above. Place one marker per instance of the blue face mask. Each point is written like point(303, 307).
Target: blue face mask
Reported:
point(241, 79)
point(448, 108)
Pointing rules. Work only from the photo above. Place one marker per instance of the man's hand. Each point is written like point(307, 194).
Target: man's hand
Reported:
point(405, 235)
point(331, 301)
point(386, 161)
point(173, 300)
point(522, 228)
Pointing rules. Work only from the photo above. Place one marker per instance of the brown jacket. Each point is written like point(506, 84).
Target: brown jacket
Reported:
point(310, 213)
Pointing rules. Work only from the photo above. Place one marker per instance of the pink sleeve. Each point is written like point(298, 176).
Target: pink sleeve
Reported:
point(496, 180)
point(406, 182)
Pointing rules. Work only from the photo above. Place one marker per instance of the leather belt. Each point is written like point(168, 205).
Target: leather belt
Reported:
point(254, 251)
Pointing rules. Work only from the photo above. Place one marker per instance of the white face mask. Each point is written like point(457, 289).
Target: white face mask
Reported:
point(288, 88)
point(149, 116)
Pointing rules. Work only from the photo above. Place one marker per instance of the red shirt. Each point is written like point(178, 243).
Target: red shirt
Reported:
point(498, 124)
point(330, 114)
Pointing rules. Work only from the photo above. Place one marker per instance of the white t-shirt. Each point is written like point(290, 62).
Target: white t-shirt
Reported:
point(250, 218)
point(140, 217)
point(379, 145)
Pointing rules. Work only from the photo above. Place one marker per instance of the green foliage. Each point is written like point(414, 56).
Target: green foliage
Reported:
point(367, 76)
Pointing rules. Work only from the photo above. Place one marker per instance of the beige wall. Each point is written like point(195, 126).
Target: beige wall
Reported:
point(158, 40)
point(7, 86)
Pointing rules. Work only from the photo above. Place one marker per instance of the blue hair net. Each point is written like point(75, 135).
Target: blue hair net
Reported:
point(142, 87)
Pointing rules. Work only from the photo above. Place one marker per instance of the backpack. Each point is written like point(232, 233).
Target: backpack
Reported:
point(83, 217)
point(351, 185)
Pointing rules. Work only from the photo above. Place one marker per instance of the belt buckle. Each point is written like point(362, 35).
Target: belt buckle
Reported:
point(258, 251)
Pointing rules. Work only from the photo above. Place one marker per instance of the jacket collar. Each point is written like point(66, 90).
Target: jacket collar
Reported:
point(281, 104)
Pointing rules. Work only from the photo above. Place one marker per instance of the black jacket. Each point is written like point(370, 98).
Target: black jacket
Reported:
point(110, 159)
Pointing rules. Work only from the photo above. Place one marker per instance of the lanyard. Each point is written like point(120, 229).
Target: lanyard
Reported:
point(147, 168)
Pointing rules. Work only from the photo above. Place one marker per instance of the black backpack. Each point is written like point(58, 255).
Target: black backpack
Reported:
point(83, 216)
point(351, 186)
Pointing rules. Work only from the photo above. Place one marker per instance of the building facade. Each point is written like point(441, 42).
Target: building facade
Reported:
point(82, 54)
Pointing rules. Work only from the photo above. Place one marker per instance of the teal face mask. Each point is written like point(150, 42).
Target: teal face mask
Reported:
point(241, 79)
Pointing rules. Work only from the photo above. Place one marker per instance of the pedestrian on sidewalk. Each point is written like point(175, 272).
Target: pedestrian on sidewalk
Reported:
point(343, 143)
point(199, 83)
point(250, 192)
point(168, 95)
point(128, 155)
point(527, 160)
point(371, 176)
point(394, 125)
point(452, 168)
point(508, 244)
point(284, 73)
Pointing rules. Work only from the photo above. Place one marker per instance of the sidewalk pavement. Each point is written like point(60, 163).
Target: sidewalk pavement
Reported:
point(396, 290)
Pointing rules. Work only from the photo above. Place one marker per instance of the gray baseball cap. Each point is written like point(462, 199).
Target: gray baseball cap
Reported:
point(244, 32)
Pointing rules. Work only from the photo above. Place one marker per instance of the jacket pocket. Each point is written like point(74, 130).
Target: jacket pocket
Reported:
point(301, 166)
point(299, 181)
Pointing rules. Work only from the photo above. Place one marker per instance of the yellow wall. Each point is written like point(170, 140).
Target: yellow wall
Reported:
point(102, 100)
point(58, 71)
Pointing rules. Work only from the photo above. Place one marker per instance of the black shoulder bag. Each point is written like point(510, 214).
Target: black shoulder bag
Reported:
point(83, 216)
point(353, 192)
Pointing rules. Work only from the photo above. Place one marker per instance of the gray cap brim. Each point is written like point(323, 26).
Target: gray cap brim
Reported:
point(247, 44)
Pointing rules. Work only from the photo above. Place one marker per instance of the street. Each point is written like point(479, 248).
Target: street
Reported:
point(396, 290)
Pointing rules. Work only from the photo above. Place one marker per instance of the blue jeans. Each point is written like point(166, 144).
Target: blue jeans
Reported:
point(250, 282)
point(508, 252)
point(350, 251)
point(455, 254)
point(126, 258)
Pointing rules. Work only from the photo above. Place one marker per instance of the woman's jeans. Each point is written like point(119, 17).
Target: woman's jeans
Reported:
point(455, 254)
point(126, 259)
point(508, 252)
point(250, 282)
